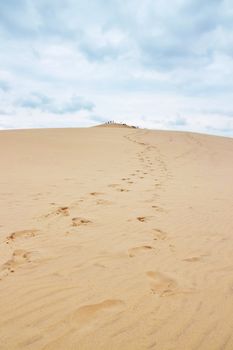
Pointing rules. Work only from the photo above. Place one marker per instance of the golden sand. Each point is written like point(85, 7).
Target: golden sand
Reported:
point(115, 238)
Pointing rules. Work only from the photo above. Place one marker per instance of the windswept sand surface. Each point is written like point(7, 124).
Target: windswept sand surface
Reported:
point(114, 238)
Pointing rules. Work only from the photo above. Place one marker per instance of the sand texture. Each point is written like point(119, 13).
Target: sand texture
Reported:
point(115, 238)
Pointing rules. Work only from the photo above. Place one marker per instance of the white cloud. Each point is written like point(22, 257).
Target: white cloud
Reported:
point(46, 104)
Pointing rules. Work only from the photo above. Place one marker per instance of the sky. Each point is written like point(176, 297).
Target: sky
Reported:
point(157, 64)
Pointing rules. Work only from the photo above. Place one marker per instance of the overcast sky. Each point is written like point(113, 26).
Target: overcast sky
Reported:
point(164, 64)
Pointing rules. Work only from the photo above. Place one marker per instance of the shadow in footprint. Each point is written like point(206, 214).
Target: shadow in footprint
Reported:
point(142, 218)
point(96, 193)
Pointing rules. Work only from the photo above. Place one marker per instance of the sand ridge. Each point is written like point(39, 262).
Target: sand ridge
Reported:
point(115, 238)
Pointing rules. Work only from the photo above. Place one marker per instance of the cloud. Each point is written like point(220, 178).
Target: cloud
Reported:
point(35, 101)
point(178, 121)
point(4, 86)
point(4, 112)
point(47, 104)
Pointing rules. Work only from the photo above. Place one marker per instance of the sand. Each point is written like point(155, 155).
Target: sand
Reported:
point(115, 238)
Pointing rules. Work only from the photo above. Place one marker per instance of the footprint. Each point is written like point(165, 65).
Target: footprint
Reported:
point(61, 211)
point(161, 284)
point(122, 190)
point(23, 233)
point(172, 248)
point(96, 193)
point(80, 221)
point(103, 202)
point(164, 285)
point(113, 185)
point(86, 313)
point(192, 259)
point(19, 257)
point(157, 208)
point(159, 234)
point(134, 251)
point(142, 218)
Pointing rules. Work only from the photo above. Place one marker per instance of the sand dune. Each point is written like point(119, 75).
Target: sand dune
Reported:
point(115, 238)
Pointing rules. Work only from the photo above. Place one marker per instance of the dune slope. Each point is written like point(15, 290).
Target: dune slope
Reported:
point(114, 238)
